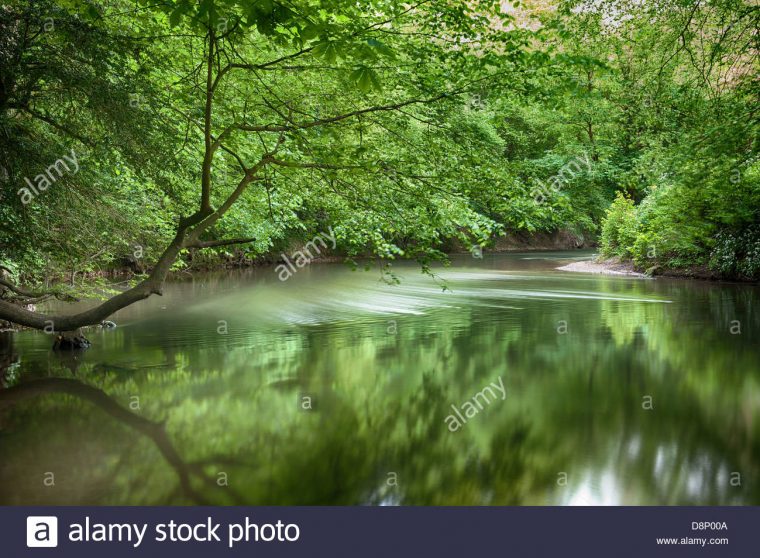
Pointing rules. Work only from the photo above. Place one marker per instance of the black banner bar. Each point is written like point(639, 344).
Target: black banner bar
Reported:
point(117, 532)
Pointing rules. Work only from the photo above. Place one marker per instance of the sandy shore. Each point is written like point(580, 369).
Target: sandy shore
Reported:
point(602, 268)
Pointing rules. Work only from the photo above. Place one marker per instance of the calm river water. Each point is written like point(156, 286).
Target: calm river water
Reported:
point(334, 387)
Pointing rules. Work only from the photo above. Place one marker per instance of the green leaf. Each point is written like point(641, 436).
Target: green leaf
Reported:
point(176, 14)
point(381, 48)
point(366, 78)
point(310, 32)
point(328, 50)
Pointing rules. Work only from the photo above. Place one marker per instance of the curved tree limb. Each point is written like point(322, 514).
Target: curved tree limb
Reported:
point(152, 285)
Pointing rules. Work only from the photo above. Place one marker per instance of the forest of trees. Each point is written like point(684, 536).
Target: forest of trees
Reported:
point(165, 134)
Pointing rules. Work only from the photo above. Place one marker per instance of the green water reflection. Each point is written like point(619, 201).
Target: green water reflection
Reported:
point(220, 367)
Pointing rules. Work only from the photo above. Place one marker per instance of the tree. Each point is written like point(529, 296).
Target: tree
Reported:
point(684, 94)
point(245, 81)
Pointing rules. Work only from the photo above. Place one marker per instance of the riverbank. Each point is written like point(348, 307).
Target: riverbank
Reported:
point(608, 267)
point(522, 241)
point(615, 266)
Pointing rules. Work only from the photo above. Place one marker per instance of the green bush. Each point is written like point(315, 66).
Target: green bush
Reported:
point(672, 229)
point(737, 253)
point(619, 228)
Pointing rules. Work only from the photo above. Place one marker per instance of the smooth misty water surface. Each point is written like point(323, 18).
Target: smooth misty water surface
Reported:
point(382, 365)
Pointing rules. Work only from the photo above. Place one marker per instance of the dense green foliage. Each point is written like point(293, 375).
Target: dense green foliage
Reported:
point(686, 82)
point(124, 86)
point(619, 229)
point(462, 122)
point(737, 253)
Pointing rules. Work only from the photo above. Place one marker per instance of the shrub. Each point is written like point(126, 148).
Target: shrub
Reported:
point(619, 228)
point(736, 253)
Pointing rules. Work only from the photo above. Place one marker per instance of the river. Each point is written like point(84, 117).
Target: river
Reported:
point(335, 387)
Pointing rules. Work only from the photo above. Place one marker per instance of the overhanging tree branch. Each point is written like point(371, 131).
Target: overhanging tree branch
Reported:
point(152, 285)
point(217, 243)
point(60, 127)
point(334, 119)
point(313, 165)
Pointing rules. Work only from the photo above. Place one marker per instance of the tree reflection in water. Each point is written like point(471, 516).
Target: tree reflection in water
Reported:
point(219, 419)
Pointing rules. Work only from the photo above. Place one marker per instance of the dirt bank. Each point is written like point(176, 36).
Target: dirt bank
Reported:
point(528, 242)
